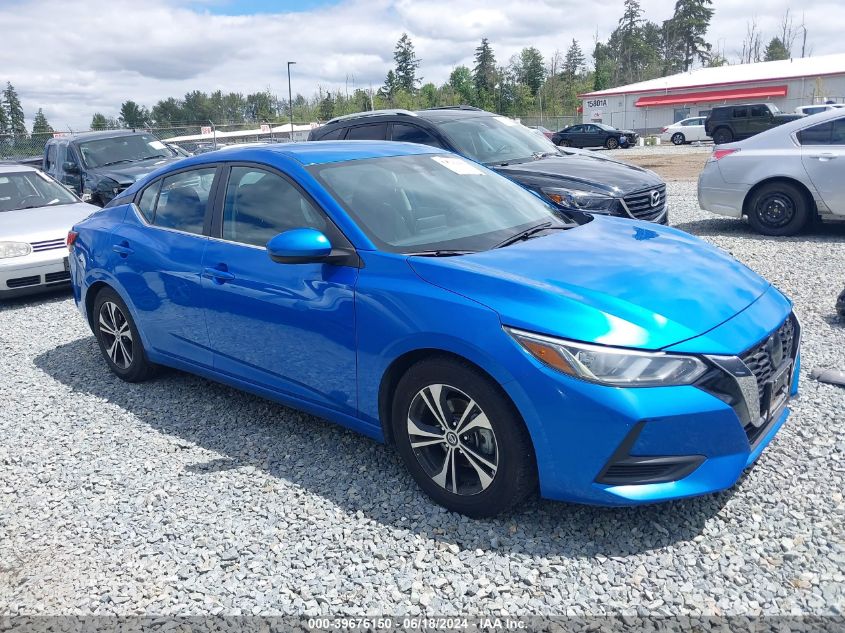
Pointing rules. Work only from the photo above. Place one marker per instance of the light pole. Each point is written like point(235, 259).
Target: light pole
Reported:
point(290, 101)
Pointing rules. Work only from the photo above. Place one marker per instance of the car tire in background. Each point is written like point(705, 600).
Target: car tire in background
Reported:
point(611, 143)
point(678, 138)
point(722, 135)
point(778, 209)
point(118, 338)
point(564, 143)
point(462, 439)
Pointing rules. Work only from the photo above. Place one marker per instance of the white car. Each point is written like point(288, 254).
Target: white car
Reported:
point(36, 213)
point(819, 107)
point(686, 131)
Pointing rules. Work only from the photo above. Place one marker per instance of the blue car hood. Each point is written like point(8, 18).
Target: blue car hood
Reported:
point(611, 281)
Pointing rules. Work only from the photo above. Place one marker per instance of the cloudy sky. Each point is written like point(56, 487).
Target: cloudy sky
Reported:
point(73, 58)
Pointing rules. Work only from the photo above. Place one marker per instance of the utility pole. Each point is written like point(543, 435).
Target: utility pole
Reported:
point(290, 101)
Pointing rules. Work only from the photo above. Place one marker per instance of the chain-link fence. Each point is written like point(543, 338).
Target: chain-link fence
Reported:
point(553, 123)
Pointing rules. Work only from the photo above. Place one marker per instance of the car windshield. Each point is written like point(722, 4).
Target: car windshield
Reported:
point(30, 190)
point(775, 109)
point(433, 202)
point(606, 128)
point(496, 139)
point(123, 149)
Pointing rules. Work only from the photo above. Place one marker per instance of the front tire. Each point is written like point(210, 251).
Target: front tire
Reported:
point(118, 338)
point(778, 209)
point(462, 439)
point(611, 143)
point(564, 143)
point(678, 138)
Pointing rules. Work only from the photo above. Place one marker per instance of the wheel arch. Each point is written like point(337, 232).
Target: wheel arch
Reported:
point(399, 367)
point(808, 195)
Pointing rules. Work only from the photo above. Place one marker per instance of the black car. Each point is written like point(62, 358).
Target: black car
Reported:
point(572, 179)
point(729, 123)
point(594, 135)
point(99, 165)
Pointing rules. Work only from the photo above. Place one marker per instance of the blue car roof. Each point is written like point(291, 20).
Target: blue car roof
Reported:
point(320, 152)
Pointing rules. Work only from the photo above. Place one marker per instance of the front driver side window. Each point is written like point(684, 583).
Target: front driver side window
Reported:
point(259, 205)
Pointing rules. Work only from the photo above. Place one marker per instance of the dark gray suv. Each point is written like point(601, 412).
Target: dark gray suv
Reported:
point(574, 180)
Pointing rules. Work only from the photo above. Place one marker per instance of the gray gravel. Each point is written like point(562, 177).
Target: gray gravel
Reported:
point(182, 496)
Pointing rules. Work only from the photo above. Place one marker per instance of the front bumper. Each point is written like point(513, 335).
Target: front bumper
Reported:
point(627, 446)
point(34, 273)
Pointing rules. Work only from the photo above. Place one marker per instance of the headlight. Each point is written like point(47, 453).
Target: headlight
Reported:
point(14, 249)
point(580, 200)
point(613, 366)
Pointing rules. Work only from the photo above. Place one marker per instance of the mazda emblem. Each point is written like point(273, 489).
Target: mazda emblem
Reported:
point(655, 198)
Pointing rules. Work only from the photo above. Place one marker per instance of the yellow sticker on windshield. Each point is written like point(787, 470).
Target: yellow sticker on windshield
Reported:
point(458, 165)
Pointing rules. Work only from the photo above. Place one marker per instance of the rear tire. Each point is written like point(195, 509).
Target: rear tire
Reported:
point(678, 138)
point(722, 135)
point(118, 338)
point(778, 209)
point(611, 143)
point(481, 471)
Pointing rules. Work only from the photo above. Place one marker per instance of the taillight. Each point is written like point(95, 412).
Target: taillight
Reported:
point(721, 153)
point(71, 238)
point(664, 130)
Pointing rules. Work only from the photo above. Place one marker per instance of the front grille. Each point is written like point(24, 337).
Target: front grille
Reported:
point(759, 359)
point(62, 275)
point(639, 203)
point(20, 282)
point(48, 245)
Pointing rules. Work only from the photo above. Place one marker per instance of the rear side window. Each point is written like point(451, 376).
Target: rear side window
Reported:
point(183, 199)
point(816, 135)
point(51, 157)
point(147, 203)
point(837, 136)
point(413, 134)
point(333, 135)
point(370, 132)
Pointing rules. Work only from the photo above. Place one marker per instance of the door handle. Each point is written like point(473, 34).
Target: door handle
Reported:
point(825, 156)
point(218, 274)
point(122, 249)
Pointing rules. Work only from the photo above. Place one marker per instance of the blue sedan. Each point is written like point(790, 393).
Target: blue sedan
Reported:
point(427, 302)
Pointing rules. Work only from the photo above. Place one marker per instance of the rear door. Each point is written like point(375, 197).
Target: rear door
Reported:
point(823, 156)
point(157, 258)
point(759, 119)
point(694, 129)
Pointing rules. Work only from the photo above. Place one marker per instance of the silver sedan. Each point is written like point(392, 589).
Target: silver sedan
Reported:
point(36, 214)
point(781, 178)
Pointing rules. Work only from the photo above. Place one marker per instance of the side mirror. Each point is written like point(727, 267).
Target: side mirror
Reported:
point(299, 246)
point(70, 168)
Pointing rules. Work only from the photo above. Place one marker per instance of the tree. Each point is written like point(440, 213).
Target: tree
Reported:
point(603, 74)
point(484, 72)
point(15, 122)
point(775, 51)
point(531, 71)
point(166, 112)
point(751, 43)
point(327, 107)
point(40, 124)
point(133, 115)
point(406, 65)
point(683, 35)
point(4, 120)
point(391, 85)
point(573, 63)
point(460, 81)
point(98, 122)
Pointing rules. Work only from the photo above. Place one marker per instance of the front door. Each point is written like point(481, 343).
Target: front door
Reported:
point(823, 156)
point(286, 327)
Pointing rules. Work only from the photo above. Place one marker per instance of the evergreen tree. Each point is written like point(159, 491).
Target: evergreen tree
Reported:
point(327, 107)
point(391, 85)
point(484, 72)
point(406, 65)
point(133, 115)
point(684, 33)
point(15, 123)
point(775, 51)
point(603, 73)
point(4, 120)
point(460, 80)
point(98, 122)
point(40, 124)
point(531, 70)
point(573, 63)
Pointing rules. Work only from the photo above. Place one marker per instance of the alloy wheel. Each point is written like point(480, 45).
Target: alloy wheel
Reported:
point(775, 210)
point(612, 143)
point(452, 439)
point(116, 334)
point(678, 138)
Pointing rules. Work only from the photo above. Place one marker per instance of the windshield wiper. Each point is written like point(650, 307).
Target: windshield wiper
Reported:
point(153, 156)
point(117, 162)
point(539, 155)
point(440, 253)
point(524, 235)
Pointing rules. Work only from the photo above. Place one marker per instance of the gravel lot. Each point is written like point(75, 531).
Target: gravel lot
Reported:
point(181, 496)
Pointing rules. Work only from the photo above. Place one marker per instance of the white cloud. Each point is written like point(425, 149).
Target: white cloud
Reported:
point(75, 58)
